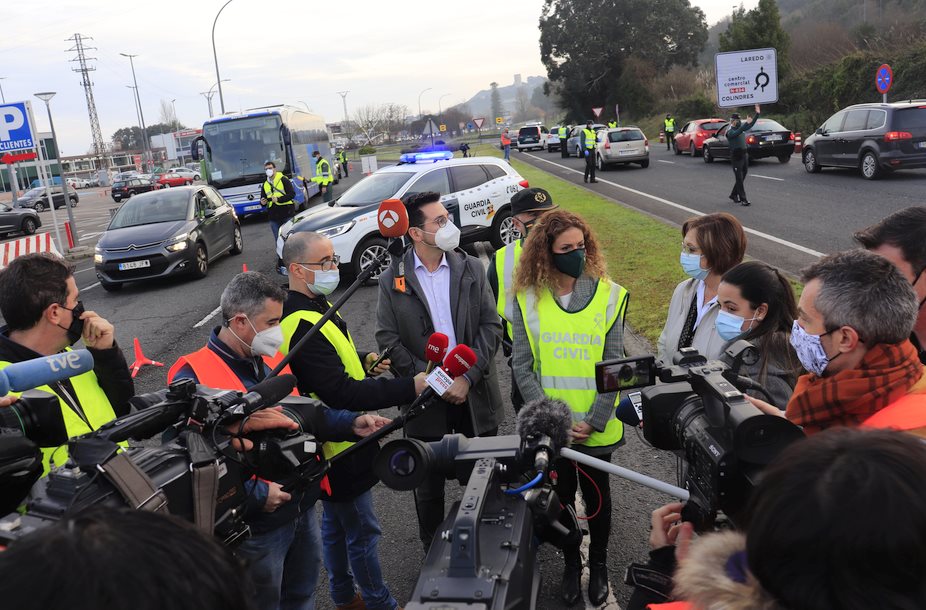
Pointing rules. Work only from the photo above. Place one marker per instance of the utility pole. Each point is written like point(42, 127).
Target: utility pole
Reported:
point(84, 69)
point(141, 114)
point(343, 95)
point(2, 97)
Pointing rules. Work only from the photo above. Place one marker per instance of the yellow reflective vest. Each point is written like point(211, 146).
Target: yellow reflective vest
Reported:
point(96, 407)
point(322, 172)
point(562, 132)
point(343, 345)
point(506, 260)
point(670, 125)
point(612, 124)
point(566, 346)
point(589, 138)
point(275, 189)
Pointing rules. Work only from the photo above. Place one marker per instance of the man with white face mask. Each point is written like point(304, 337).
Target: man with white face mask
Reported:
point(436, 287)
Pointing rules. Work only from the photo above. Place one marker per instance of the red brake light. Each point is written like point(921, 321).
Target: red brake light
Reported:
point(893, 136)
point(791, 136)
point(524, 184)
point(751, 140)
point(607, 144)
point(701, 134)
point(645, 142)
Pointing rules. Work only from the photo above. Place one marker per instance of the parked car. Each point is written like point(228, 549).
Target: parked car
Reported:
point(185, 172)
point(14, 220)
point(133, 186)
point(532, 137)
point(574, 140)
point(767, 138)
point(170, 179)
point(476, 191)
point(166, 232)
point(873, 138)
point(691, 137)
point(621, 146)
point(37, 198)
point(78, 183)
point(553, 141)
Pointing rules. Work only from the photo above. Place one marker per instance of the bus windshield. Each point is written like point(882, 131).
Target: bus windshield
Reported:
point(240, 148)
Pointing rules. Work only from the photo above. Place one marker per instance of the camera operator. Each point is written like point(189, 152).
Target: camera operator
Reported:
point(856, 314)
point(819, 534)
point(285, 538)
point(39, 301)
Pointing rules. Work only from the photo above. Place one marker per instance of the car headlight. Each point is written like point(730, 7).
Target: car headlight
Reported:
point(98, 259)
point(178, 243)
point(337, 230)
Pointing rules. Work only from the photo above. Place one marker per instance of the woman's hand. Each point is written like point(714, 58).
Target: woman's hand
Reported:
point(580, 432)
point(669, 530)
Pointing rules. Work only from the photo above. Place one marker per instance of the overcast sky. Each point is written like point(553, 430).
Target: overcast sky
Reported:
point(272, 51)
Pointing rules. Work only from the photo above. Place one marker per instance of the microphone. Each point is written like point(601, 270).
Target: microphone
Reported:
point(392, 218)
point(33, 373)
point(435, 350)
point(460, 360)
point(267, 393)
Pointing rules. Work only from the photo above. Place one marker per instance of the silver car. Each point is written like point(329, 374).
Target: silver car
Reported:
point(574, 139)
point(621, 146)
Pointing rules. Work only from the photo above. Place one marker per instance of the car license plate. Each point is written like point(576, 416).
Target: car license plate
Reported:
point(251, 208)
point(627, 152)
point(921, 144)
point(773, 138)
point(134, 265)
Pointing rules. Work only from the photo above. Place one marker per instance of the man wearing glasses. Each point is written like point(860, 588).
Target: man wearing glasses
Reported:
point(330, 367)
point(436, 287)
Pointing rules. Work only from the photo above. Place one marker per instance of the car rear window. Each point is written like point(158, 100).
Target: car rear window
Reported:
point(495, 171)
point(910, 119)
point(529, 131)
point(768, 125)
point(627, 135)
point(712, 126)
point(466, 177)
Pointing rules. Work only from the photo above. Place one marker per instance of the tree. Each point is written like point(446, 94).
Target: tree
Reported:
point(127, 138)
point(394, 117)
point(167, 115)
point(497, 109)
point(369, 120)
point(758, 29)
point(584, 45)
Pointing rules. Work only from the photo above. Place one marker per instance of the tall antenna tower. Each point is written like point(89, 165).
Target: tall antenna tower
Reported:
point(85, 70)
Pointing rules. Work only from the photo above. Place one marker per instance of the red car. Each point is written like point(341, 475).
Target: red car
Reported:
point(692, 135)
point(170, 179)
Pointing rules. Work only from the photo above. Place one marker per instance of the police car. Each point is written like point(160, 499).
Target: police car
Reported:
point(476, 192)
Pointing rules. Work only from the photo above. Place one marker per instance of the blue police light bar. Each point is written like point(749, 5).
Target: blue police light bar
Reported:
point(439, 155)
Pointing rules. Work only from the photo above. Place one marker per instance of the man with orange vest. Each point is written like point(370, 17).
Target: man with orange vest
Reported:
point(506, 144)
point(240, 353)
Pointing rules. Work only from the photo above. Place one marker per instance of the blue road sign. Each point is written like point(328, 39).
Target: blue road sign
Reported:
point(884, 78)
point(15, 130)
point(470, 126)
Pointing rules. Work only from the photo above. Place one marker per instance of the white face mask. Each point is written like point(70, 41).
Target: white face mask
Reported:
point(269, 173)
point(325, 283)
point(268, 341)
point(447, 237)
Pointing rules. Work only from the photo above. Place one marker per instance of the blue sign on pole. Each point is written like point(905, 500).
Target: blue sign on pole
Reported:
point(470, 126)
point(15, 130)
point(884, 78)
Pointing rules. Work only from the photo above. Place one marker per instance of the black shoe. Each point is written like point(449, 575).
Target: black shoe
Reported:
point(734, 199)
point(593, 181)
point(572, 577)
point(744, 202)
point(598, 578)
point(585, 180)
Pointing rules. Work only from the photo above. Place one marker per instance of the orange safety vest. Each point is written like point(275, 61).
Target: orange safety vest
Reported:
point(214, 372)
point(506, 141)
point(906, 413)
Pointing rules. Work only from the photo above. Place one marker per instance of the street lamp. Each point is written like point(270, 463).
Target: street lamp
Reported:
point(208, 95)
point(307, 109)
point(173, 103)
point(141, 113)
point(419, 100)
point(440, 113)
point(2, 97)
point(46, 96)
point(346, 126)
point(216, 57)
point(137, 118)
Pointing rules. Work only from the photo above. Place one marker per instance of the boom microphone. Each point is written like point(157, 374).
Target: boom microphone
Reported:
point(548, 417)
point(392, 218)
point(435, 350)
point(267, 393)
point(33, 373)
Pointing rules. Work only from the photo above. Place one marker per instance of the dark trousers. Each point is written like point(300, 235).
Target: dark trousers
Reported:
point(589, 165)
point(568, 478)
point(429, 497)
point(740, 163)
point(670, 137)
point(344, 166)
point(329, 193)
point(563, 149)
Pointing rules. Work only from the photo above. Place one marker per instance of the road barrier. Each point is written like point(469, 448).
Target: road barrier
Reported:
point(798, 142)
point(41, 242)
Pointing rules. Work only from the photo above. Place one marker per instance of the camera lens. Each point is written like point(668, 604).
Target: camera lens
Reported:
point(403, 464)
point(626, 373)
point(37, 415)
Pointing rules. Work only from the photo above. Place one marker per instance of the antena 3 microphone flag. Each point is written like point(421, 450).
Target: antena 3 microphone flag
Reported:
point(392, 218)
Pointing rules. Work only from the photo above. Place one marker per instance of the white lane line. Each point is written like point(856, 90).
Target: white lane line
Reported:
point(89, 235)
point(662, 161)
point(82, 270)
point(208, 317)
point(90, 287)
point(678, 206)
point(768, 177)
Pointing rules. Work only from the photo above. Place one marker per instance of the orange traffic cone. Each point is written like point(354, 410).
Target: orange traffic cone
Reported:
point(244, 268)
point(141, 360)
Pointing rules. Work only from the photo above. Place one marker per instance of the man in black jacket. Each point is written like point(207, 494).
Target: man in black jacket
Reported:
point(278, 194)
point(330, 367)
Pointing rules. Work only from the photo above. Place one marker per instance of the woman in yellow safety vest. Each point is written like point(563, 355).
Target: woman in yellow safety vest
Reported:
point(569, 316)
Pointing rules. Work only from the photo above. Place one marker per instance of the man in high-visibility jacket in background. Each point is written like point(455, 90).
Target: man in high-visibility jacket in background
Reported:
point(612, 124)
point(323, 176)
point(587, 144)
point(506, 144)
point(563, 137)
point(278, 194)
point(342, 159)
point(669, 127)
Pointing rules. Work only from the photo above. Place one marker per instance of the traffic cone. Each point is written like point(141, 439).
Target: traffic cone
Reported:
point(141, 360)
point(244, 268)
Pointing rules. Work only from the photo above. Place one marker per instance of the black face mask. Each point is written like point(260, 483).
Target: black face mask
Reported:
point(76, 329)
point(571, 263)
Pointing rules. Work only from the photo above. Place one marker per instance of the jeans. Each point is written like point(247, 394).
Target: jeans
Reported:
point(740, 168)
point(275, 229)
point(508, 152)
point(284, 564)
point(351, 533)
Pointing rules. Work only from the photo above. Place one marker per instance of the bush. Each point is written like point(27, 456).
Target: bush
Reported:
point(367, 150)
point(695, 107)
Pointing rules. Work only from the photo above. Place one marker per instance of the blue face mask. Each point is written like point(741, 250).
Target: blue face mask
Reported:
point(809, 350)
point(691, 264)
point(729, 325)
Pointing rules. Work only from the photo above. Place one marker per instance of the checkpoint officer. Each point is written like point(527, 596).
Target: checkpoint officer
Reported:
point(612, 124)
point(563, 137)
point(278, 194)
point(587, 144)
point(527, 206)
point(323, 176)
point(669, 125)
point(342, 159)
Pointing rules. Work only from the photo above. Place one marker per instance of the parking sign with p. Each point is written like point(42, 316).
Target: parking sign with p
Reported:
point(16, 127)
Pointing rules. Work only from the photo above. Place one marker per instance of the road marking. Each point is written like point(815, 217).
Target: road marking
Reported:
point(768, 177)
point(82, 270)
point(208, 317)
point(678, 206)
point(89, 235)
point(664, 161)
point(90, 287)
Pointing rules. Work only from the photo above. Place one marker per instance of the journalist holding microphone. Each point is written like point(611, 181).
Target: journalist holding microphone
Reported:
point(569, 316)
point(39, 301)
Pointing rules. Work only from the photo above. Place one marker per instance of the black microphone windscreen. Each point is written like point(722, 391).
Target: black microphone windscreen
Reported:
point(546, 416)
point(274, 389)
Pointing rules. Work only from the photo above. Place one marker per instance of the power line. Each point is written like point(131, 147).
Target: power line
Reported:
point(84, 69)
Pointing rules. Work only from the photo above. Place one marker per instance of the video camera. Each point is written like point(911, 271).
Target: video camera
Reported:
point(196, 475)
point(700, 412)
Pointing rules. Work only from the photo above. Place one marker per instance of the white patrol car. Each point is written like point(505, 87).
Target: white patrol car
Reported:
point(476, 192)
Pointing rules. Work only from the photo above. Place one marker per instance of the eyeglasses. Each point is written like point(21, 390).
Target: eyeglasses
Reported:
point(328, 264)
point(440, 221)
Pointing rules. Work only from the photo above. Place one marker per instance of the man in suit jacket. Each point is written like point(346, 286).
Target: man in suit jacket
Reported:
point(435, 287)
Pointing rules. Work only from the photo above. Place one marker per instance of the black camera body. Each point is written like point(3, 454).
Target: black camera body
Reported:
point(699, 413)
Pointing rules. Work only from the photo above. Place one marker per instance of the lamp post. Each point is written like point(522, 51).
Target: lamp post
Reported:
point(173, 104)
point(215, 56)
point(2, 97)
point(141, 113)
point(440, 113)
point(208, 95)
point(137, 117)
point(346, 126)
point(419, 114)
point(46, 96)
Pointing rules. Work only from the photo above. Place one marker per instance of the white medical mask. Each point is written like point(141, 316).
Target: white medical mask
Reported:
point(729, 326)
point(325, 283)
point(268, 341)
point(447, 237)
point(269, 173)
point(810, 350)
point(691, 265)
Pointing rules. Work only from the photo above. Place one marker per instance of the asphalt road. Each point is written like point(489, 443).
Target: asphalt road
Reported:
point(794, 215)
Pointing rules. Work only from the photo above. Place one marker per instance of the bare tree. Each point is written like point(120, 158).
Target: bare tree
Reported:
point(167, 114)
point(394, 117)
point(369, 119)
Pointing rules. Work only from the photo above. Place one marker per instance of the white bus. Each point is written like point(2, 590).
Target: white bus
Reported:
point(234, 148)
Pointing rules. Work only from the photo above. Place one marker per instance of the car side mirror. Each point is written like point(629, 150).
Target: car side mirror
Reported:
point(820, 131)
point(208, 213)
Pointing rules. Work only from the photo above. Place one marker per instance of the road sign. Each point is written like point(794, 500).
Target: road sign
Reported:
point(499, 120)
point(884, 78)
point(443, 128)
point(597, 111)
point(9, 158)
point(745, 78)
point(462, 125)
point(136, 159)
point(16, 127)
point(478, 122)
point(617, 114)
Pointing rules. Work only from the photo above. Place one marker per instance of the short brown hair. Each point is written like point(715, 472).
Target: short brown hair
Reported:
point(29, 285)
point(721, 239)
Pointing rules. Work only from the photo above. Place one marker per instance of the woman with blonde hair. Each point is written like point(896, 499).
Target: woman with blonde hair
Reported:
point(569, 316)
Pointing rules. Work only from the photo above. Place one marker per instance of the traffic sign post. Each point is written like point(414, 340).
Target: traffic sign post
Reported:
point(884, 78)
point(745, 78)
point(597, 110)
point(443, 128)
point(478, 122)
point(499, 120)
point(617, 114)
